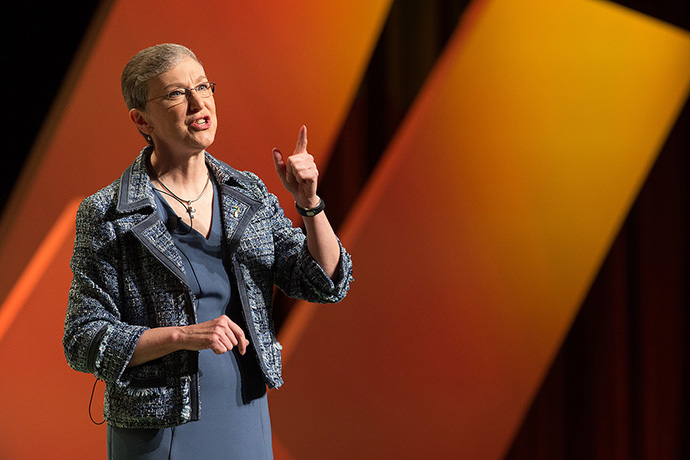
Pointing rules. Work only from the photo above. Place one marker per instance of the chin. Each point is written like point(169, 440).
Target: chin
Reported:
point(206, 141)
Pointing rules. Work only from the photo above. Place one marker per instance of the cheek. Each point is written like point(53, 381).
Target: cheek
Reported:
point(214, 121)
point(212, 108)
point(168, 123)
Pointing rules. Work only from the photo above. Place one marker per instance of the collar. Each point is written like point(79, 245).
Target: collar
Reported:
point(136, 193)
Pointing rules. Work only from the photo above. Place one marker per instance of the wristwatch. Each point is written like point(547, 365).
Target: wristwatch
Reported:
point(313, 211)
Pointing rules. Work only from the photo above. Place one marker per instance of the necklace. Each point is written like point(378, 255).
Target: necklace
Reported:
point(186, 203)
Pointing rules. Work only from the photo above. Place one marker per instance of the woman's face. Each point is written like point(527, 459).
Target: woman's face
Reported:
point(184, 127)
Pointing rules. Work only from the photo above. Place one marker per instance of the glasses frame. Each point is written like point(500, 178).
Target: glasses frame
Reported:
point(187, 92)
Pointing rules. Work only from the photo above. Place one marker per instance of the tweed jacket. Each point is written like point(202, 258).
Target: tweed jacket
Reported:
point(128, 276)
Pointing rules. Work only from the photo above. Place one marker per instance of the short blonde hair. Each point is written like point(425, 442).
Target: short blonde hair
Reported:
point(146, 64)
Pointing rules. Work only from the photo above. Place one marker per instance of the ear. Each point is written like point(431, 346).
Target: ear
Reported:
point(138, 117)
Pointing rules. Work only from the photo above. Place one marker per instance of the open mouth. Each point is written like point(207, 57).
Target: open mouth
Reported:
point(202, 123)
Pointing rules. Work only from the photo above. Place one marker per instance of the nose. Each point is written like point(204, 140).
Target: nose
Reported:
point(194, 101)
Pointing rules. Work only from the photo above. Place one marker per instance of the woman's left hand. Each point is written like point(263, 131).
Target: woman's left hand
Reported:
point(299, 173)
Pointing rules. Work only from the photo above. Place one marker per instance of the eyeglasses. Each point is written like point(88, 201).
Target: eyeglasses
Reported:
point(179, 95)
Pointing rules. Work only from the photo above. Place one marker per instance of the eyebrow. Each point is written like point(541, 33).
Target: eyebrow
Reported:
point(200, 79)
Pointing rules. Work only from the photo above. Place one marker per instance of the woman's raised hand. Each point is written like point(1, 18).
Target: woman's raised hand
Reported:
point(298, 172)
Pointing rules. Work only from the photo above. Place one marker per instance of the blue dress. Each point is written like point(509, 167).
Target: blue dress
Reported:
point(234, 421)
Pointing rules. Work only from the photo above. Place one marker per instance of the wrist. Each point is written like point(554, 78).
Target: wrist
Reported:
point(179, 336)
point(310, 211)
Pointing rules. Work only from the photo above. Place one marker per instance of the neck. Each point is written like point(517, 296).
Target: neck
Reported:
point(184, 175)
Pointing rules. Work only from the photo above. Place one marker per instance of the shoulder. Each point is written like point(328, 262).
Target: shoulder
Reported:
point(100, 204)
point(245, 180)
point(95, 216)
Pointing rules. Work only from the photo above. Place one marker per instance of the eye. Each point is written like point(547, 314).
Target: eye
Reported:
point(176, 94)
point(203, 87)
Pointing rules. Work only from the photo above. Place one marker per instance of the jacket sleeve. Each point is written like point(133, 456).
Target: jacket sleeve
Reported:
point(297, 274)
point(95, 339)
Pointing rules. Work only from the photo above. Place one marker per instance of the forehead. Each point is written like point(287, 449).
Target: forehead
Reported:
point(184, 73)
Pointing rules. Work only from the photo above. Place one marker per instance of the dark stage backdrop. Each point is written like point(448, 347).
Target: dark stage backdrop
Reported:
point(619, 385)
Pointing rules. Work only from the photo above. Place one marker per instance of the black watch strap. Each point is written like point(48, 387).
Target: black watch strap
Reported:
point(313, 211)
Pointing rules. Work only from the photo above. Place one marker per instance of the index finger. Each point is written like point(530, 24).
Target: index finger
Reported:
point(302, 140)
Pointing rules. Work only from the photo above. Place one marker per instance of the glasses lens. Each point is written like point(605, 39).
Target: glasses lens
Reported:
point(205, 89)
point(176, 95)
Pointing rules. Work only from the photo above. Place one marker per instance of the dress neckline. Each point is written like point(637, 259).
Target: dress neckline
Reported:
point(178, 227)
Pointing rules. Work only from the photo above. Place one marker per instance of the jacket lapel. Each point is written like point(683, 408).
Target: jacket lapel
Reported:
point(136, 197)
point(155, 237)
point(237, 209)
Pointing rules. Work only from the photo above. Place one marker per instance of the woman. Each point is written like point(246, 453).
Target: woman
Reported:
point(174, 265)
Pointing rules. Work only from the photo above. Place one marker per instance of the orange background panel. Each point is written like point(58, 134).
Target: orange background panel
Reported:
point(45, 403)
point(479, 235)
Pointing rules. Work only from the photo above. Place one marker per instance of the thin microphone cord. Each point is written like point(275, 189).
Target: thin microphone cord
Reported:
point(90, 401)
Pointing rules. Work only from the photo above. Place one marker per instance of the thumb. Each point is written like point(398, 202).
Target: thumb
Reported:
point(279, 163)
